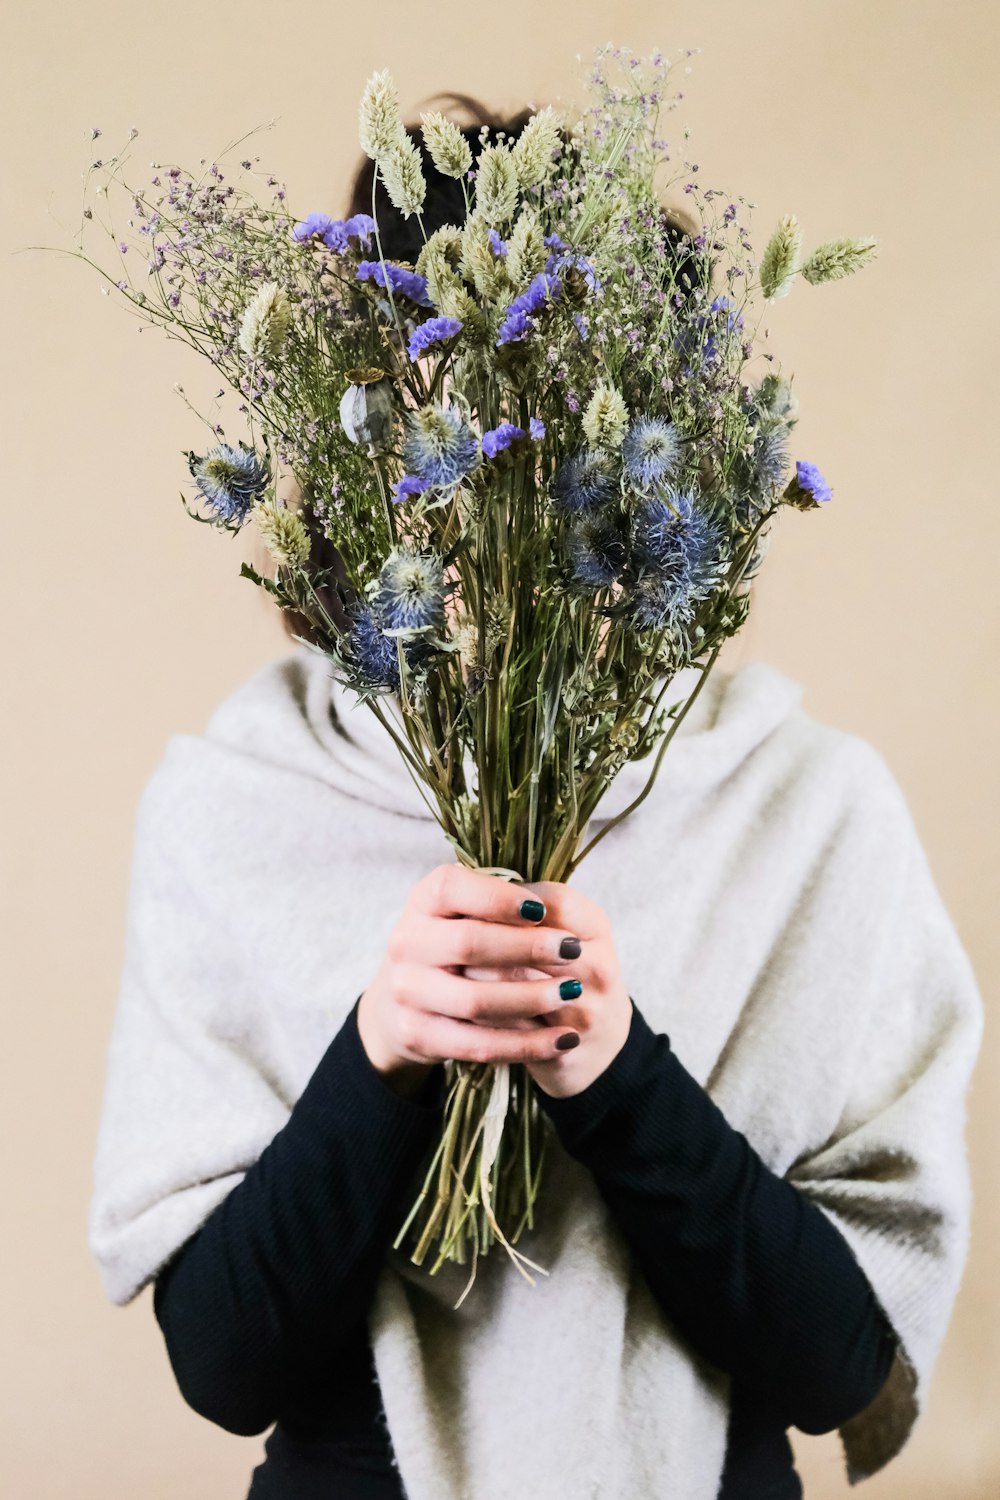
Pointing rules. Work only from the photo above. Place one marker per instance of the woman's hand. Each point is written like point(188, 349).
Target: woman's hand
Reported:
point(421, 1008)
point(602, 1013)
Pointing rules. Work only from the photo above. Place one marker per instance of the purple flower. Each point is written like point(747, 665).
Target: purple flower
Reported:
point(407, 283)
point(809, 478)
point(536, 427)
point(498, 438)
point(410, 484)
point(335, 233)
point(517, 321)
point(434, 331)
point(497, 245)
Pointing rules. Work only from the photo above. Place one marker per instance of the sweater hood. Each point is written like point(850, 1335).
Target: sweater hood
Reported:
point(317, 727)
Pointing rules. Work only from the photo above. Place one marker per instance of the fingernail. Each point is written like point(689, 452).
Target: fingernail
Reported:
point(567, 1040)
point(570, 948)
point(532, 911)
point(570, 989)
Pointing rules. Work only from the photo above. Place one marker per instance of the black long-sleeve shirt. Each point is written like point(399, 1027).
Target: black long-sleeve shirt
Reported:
point(263, 1309)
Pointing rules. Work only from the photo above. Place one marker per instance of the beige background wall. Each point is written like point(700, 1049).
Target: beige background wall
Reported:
point(126, 622)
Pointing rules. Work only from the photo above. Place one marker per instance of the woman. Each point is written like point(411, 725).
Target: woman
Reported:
point(751, 1025)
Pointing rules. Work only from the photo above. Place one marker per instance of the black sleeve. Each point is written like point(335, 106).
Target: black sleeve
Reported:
point(283, 1270)
point(748, 1269)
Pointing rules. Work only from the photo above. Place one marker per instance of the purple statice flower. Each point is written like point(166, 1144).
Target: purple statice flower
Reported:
point(584, 480)
point(554, 242)
point(518, 319)
point(679, 550)
point(229, 479)
point(595, 547)
point(809, 478)
point(313, 225)
point(411, 591)
point(498, 438)
point(536, 427)
point(651, 450)
point(409, 484)
point(407, 283)
point(371, 654)
point(441, 448)
point(434, 331)
point(497, 245)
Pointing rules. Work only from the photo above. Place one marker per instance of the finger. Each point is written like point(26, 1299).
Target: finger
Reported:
point(443, 943)
point(455, 891)
point(570, 909)
point(466, 1042)
point(490, 1001)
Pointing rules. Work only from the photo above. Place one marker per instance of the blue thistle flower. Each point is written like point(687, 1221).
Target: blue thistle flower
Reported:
point(371, 655)
point(407, 283)
point(441, 448)
point(769, 458)
point(229, 479)
point(584, 480)
point(411, 591)
point(679, 550)
point(495, 439)
point(651, 450)
point(434, 331)
point(596, 549)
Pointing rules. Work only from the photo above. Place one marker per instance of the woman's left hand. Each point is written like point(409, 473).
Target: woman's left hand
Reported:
point(601, 1013)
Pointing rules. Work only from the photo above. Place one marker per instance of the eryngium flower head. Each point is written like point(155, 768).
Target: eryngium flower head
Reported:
point(584, 480)
point(411, 591)
point(681, 559)
point(768, 459)
point(371, 655)
point(605, 418)
point(595, 546)
point(283, 534)
point(229, 479)
point(441, 448)
point(651, 450)
point(266, 321)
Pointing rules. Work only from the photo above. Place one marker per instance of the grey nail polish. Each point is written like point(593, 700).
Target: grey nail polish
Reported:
point(570, 947)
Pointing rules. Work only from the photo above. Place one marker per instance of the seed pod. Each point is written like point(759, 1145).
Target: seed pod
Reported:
point(366, 408)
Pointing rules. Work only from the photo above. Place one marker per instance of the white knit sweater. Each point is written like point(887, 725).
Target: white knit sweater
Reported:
point(775, 916)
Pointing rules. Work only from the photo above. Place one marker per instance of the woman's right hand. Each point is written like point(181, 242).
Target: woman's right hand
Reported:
point(420, 1009)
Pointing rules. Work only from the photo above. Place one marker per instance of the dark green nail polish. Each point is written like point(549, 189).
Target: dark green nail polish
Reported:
point(571, 1039)
point(570, 989)
point(532, 911)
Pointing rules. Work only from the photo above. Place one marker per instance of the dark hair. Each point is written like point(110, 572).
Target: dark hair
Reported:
point(402, 240)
